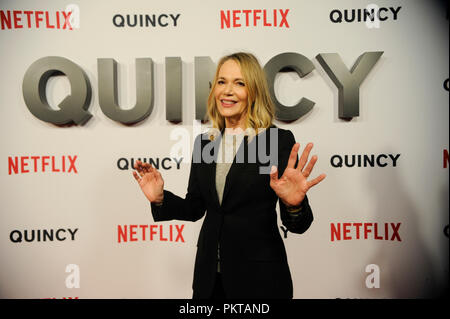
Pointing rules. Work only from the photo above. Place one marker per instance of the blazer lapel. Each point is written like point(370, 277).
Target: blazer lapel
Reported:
point(234, 170)
point(232, 173)
point(211, 170)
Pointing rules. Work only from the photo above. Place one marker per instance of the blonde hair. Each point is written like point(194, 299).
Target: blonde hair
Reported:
point(260, 108)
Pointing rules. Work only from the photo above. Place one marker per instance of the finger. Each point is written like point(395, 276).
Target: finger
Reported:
point(141, 168)
point(310, 166)
point(138, 166)
point(316, 180)
point(273, 174)
point(293, 156)
point(147, 167)
point(304, 157)
point(136, 176)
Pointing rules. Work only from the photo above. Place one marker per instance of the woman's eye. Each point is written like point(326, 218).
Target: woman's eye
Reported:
point(220, 82)
point(241, 83)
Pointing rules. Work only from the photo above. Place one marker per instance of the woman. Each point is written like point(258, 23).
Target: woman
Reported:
point(240, 252)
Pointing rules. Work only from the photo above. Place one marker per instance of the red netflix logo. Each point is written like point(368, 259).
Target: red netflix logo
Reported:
point(54, 164)
point(276, 18)
point(30, 19)
point(160, 232)
point(378, 231)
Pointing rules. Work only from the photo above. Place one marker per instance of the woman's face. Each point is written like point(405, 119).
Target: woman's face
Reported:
point(231, 93)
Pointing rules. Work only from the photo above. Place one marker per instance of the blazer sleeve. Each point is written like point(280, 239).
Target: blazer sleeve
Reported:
point(294, 222)
point(190, 208)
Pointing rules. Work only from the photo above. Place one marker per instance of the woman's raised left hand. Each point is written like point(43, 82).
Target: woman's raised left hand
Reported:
point(293, 185)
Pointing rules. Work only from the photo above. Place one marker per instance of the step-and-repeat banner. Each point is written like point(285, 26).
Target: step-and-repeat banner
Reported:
point(89, 87)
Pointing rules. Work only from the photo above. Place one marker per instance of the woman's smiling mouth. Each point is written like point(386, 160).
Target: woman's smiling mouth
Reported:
point(227, 102)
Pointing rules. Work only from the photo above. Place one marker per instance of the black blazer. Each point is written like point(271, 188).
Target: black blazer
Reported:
point(253, 257)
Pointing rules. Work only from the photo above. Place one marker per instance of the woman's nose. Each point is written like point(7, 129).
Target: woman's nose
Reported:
point(229, 89)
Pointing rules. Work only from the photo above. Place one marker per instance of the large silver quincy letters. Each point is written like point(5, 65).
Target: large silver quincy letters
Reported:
point(289, 62)
point(107, 91)
point(74, 108)
point(348, 83)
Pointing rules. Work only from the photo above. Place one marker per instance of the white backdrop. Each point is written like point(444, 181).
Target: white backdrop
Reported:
point(403, 110)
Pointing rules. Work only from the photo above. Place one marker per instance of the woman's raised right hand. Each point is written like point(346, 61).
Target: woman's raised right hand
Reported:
point(150, 181)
